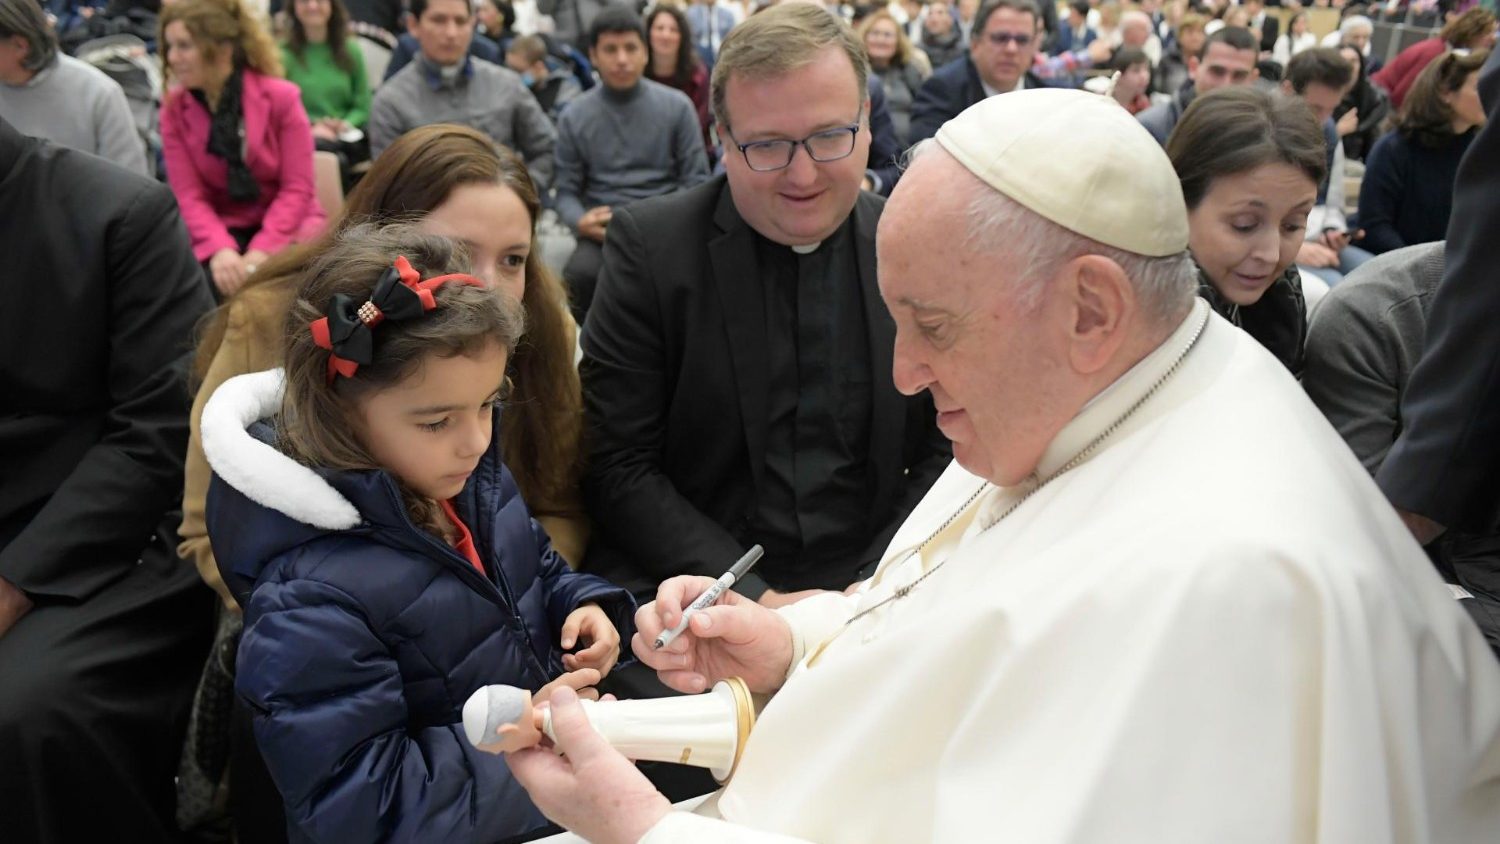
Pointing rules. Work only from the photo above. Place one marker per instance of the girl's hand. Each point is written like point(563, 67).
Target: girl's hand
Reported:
point(589, 624)
point(581, 681)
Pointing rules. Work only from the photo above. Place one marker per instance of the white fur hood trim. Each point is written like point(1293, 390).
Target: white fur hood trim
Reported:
point(258, 471)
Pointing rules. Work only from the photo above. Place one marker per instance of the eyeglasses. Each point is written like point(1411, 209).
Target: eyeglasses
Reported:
point(1000, 39)
point(822, 147)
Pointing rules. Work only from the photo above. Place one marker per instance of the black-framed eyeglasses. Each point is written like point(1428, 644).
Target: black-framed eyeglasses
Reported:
point(1000, 39)
point(823, 147)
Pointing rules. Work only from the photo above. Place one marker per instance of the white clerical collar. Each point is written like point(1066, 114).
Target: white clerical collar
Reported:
point(807, 248)
point(1115, 400)
point(990, 92)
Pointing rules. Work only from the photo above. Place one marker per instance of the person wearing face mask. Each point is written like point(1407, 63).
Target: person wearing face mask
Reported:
point(552, 87)
point(1250, 163)
point(1407, 194)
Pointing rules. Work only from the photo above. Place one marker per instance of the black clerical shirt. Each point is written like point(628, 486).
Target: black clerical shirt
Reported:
point(813, 513)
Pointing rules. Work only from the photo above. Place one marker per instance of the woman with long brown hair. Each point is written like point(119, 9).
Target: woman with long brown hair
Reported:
point(455, 182)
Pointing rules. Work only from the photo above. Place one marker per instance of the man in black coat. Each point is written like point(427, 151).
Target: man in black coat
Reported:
point(1002, 47)
point(737, 359)
point(103, 630)
point(1444, 470)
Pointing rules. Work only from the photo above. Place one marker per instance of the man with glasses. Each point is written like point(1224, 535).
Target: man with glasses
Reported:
point(737, 358)
point(1002, 48)
point(1228, 58)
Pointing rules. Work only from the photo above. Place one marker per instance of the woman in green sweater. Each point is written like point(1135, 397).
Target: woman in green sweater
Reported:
point(324, 61)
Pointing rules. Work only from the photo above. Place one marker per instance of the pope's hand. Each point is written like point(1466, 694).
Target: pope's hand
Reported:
point(591, 789)
point(736, 637)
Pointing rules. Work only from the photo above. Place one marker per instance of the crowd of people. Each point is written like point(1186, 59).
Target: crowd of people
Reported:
point(289, 480)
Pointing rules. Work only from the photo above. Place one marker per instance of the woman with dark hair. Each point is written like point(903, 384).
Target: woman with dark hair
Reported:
point(322, 58)
point(672, 61)
point(1250, 164)
point(497, 20)
point(1369, 105)
point(1472, 30)
point(236, 139)
point(1407, 194)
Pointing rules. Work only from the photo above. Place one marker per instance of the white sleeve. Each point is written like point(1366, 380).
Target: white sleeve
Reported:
point(688, 828)
point(815, 619)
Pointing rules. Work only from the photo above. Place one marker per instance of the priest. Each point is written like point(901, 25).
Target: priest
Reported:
point(1154, 598)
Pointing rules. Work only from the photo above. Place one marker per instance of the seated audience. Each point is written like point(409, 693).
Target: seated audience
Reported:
point(1172, 71)
point(1407, 193)
point(48, 94)
point(1228, 58)
point(1296, 39)
point(941, 39)
point(1075, 32)
point(672, 61)
point(553, 87)
point(446, 85)
point(409, 46)
point(1319, 77)
point(1473, 30)
point(237, 142)
point(1354, 31)
point(1250, 163)
point(1005, 39)
point(736, 361)
point(360, 646)
point(325, 62)
point(102, 629)
point(710, 21)
point(571, 18)
point(627, 139)
point(891, 62)
point(1364, 105)
point(1365, 339)
point(1263, 26)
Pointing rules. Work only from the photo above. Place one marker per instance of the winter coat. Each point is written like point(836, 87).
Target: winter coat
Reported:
point(1277, 321)
point(364, 634)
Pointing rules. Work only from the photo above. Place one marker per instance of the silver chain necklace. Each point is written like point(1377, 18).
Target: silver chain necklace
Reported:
point(1078, 459)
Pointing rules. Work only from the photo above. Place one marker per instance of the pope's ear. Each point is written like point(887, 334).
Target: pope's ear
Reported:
point(1103, 306)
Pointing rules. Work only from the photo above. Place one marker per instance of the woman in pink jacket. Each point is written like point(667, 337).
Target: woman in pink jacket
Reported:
point(238, 146)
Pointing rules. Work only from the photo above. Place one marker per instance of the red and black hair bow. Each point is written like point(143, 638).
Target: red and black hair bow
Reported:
point(347, 331)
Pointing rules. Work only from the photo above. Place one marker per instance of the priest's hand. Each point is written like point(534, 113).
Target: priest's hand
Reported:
point(591, 789)
point(735, 637)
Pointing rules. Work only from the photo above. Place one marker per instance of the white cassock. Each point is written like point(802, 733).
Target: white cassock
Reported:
point(1215, 629)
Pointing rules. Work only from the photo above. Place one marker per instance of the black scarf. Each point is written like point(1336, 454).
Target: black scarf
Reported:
point(1278, 321)
point(224, 138)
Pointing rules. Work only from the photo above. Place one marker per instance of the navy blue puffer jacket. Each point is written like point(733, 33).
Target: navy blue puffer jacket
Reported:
point(364, 635)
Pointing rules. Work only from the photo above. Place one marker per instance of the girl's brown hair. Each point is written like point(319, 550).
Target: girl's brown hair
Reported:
point(1235, 130)
point(213, 23)
point(541, 430)
point(317, 417)
point(1425, 116)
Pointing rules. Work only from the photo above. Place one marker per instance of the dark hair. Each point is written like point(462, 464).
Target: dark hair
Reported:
point(316, 416)
point(1124, 57)
point(1324, 65)
point(1468, 27)
point(1237, 37)
point(1237, 129)
point(338, 30)
point(687, 57)
point(982, 17)
point(26, 19)
point(1425, 117)
point(418, 8)
point(615, 20)
point(1080, 6)
point(1360, 77)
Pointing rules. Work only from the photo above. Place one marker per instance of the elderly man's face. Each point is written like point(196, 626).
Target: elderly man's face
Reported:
point(807, 200)
point(960, 334)
point(1358, 38)
point(998, 53)
point(1135, 32)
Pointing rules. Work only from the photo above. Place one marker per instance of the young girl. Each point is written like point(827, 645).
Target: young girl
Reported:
point(385, 562)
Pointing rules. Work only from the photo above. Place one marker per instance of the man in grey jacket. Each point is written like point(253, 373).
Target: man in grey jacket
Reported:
point(444, 85)
point(46, 94)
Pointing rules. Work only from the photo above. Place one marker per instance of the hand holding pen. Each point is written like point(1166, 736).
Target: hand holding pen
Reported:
point(728, 636)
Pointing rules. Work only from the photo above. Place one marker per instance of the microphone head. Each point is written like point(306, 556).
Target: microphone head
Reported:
point(489, 708)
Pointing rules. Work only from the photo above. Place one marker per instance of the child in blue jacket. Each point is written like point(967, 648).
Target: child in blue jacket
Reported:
point(386, 563)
